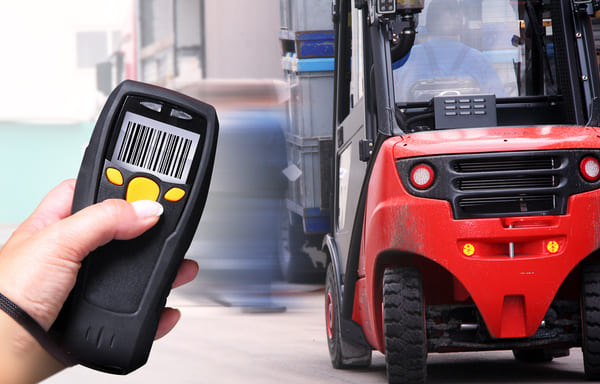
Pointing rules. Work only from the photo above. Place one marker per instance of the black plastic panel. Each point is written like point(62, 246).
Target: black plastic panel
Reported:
point(465, 111)
point(503, 184)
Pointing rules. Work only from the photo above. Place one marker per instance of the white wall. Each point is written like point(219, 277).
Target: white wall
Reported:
point(242, 39)
point(39, 77)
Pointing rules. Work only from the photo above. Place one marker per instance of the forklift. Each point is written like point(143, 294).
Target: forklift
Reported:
point(465, 202)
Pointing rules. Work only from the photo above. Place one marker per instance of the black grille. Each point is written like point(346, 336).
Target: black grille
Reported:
point(507, 185)
point(517, 181)
point(518, 163)
point(503, 184)
point(506, 204)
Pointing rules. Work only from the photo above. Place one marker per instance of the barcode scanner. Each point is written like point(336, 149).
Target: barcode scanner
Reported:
point(149, 143)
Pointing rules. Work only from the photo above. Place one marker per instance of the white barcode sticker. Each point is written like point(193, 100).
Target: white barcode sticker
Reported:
point(151, 146)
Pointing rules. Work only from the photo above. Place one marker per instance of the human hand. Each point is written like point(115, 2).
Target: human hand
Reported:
point(40, 261)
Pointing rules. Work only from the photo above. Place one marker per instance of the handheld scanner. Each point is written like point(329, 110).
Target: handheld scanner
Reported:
point(149, 143)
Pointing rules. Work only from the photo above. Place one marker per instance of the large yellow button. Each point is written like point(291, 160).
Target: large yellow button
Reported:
point(142, 188)
point(174, 194)
point(114, 176)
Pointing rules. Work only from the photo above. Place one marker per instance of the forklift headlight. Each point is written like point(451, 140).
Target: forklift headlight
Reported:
point(422, 176)
point(590, 168)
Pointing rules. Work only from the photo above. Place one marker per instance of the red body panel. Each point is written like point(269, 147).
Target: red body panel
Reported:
point(494, 140)
point(512, 294)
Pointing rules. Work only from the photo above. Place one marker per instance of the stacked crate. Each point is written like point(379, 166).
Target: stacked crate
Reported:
point(307, 41)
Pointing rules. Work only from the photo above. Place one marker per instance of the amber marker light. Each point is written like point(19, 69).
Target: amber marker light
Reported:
point(552, 246)
point(469, 249)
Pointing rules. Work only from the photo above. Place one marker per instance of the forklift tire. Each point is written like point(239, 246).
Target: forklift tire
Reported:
point(334, 334)
point(404, 326)
point(590, 319)
point(332, 319)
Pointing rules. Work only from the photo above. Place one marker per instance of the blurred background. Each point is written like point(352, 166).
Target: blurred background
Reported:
point(265, 216)
point(263, 222)
point(63, 57)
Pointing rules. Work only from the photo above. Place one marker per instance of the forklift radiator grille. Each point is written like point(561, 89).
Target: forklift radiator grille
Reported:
point(506, 185)
point(523, 183)
point(519, 181)
point(506, 204)
point(520, 163)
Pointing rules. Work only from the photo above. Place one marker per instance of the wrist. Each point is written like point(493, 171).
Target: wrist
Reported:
point(22, 359)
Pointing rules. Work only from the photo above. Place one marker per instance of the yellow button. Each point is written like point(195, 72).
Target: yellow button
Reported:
point(114, 176)
point(142, 188)
point(174, 194)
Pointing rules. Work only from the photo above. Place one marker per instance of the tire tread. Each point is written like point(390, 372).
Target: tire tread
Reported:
point(590, 297)
point(404, 326)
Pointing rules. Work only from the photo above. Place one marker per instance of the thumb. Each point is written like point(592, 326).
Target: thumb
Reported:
point(77, 235)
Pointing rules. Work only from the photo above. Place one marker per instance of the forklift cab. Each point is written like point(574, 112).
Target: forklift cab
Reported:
point(517, 52)
point(455, 55)
point(533, 62)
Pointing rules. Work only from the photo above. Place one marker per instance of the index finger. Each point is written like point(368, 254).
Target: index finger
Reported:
point(55, 206)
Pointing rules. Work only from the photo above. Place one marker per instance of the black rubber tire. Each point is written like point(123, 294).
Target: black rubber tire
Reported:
point(332, 319)
point(334, 334)
point(590, 319)
point(404, 326)
point(538, 355)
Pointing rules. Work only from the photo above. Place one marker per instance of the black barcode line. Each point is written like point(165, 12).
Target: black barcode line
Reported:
point(171, 156)
point(176, 158)
point(148, 150)
point(134, 144)
point(152, 151)
point(130, 140)
point(145, 143)
point(174, 155)
point(163, 163)
point(161, 139)
point(125, 139)
point(166, 146)
point(182, 158)
point(186, 151)
point(140, 145)
point(155, 150)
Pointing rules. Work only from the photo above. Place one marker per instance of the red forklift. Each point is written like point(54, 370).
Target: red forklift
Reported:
point(465, 182)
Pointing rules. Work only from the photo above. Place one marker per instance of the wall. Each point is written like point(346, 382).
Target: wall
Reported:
point(242, 39)
point(34, 158)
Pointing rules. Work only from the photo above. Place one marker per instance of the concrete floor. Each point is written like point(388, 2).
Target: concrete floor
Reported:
point(214, 344)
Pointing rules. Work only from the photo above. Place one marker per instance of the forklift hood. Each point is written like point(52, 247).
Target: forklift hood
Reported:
point(481, 140)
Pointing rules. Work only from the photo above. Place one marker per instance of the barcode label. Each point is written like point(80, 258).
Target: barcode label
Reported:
point(158, 148)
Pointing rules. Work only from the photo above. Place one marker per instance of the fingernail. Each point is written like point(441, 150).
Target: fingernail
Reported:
point(147, 208)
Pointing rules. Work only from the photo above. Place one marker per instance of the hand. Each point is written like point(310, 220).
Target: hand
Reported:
point(39, 263)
